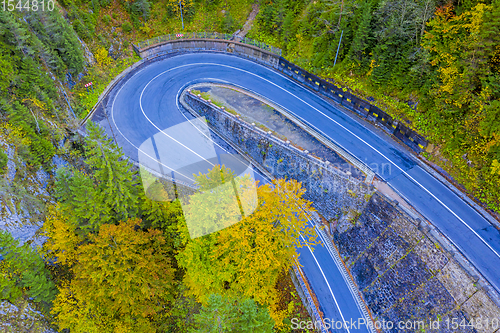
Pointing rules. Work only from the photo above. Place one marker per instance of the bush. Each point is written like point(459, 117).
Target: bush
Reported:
point(127, 27)
point(228, 23)
point(81, 29)
point(3, 161)
point(106, 18)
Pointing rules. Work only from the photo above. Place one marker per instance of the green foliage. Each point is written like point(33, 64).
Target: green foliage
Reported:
point(228, 23)
point(436, 67)
point(164, 216)
point(109, 187)
point(244, 258)
point(141, 8)
point(3, 161)
point(58, 37)
point(126, 26)
point(106, 19)
point(222, 314)
point(23, 272)
point(37, 49)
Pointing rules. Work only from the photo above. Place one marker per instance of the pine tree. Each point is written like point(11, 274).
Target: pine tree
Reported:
point(76, 192)
point(361, 40)
point(116, 182)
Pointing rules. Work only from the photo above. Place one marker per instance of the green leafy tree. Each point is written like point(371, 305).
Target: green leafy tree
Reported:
point(222, 314)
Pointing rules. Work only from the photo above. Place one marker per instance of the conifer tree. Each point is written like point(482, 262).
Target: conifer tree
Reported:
point(116, 182)
point(23, 272)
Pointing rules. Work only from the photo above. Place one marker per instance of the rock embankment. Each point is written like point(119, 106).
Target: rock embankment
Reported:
point(405, 274)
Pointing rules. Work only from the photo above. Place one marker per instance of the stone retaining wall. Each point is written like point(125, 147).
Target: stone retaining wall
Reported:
point(405, 274)
point(332, 192)
point(218, 45)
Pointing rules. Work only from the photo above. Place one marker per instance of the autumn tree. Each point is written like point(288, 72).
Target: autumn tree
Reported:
point(246, 258)
point(121, 280)
point(62, 239)
point(463, 46)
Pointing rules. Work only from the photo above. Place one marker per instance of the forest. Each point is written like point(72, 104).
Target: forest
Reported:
point(432, 64)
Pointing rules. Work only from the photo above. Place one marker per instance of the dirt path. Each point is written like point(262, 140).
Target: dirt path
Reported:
point(248, 24)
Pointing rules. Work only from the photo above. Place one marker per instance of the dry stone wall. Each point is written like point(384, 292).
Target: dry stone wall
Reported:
point(406, 275)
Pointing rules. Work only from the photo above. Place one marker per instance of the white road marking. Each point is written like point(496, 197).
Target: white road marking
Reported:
point(138, 149)
point(144, 113)
point(326, 280)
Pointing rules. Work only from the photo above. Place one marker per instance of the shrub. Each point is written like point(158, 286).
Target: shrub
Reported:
point(228, 23)
point(127, 27)
point(106, 19)
point(102, 57)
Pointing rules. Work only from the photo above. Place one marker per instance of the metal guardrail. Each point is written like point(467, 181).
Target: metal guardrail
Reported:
point(207, 35)
point(352, 102)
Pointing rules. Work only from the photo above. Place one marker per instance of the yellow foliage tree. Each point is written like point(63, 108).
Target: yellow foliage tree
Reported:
point(102, 57)
point(122, 280)
point(62, 240)
point(452, 42)
point(248, 257)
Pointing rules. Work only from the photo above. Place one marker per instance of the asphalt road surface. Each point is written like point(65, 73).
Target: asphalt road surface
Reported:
point(147, 104)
